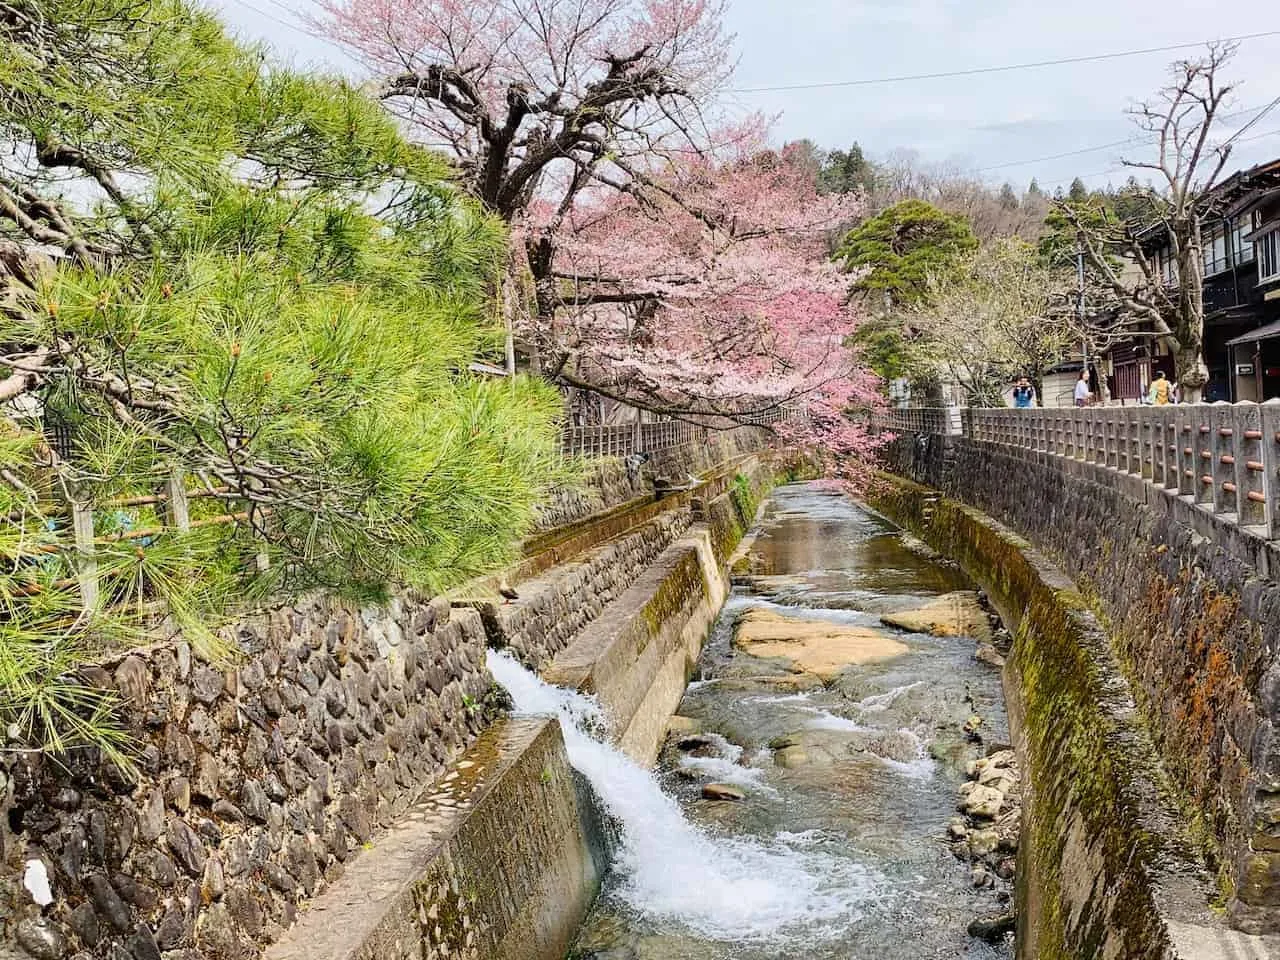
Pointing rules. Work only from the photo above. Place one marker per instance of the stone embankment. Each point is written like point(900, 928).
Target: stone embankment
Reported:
point(1190, 606)
point(1108, 864)
point(324, 751)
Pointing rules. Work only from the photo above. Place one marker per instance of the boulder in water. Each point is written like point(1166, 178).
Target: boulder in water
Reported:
point(790, 757)
point(679, 726)
point(722, 791)
point(955, 614)
point(988, 654)
point(899, 745)
point(982, 802)
point(819, 648)
point(993, 929)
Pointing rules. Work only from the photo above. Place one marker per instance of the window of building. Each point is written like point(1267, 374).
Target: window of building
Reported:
point(1167, 266)
point(1215, 249)
point(1268, 249)
point(1242, 249)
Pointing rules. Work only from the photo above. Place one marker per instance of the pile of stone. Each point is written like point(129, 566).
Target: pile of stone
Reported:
point(986, 835)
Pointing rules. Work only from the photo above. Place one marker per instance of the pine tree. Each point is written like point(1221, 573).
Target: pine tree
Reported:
point(1008, 199)
point(274, 296)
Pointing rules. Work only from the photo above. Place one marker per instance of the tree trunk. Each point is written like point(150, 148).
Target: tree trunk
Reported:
point(1188, 357)
point(1192, 373)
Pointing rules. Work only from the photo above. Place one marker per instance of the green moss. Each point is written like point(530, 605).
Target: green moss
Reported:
point(1097, 784)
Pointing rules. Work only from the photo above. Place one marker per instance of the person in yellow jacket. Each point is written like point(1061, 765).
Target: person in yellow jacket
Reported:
point(1161, 390)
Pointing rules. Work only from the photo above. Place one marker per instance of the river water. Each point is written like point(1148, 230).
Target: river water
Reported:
point(837, 850)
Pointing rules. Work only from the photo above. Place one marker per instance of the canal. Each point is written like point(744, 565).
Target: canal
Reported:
point(802, 804)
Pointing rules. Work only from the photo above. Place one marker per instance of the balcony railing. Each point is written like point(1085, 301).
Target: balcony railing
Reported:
point(1223, 457)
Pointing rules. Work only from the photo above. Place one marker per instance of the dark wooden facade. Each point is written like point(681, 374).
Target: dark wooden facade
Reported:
point(1241, 235)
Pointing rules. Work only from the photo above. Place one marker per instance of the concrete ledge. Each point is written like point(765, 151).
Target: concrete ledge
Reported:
point(1106, 868)
point(638, 655)
point(494, 865)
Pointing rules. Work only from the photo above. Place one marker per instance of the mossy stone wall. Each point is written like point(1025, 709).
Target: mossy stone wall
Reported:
point(1106, 866)
point(1193, 618)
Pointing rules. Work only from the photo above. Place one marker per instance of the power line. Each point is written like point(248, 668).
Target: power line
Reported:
point(297, 26)
point(1093, 58)
point(1122, 168)
point(1141, 138)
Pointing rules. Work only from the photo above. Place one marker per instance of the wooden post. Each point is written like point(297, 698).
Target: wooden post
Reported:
point(176, 510)
point(86, 562)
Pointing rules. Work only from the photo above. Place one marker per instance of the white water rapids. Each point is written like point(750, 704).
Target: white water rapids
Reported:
point(722, 888)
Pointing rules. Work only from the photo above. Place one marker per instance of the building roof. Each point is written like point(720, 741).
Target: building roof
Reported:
point(1265, 332)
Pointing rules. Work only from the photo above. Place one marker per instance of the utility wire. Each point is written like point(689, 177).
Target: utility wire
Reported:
point(1141, 138)
point(1122, 168)
point(1094, 58)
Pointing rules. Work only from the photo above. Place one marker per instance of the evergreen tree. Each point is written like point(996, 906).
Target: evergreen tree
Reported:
point(1033, 189)
point(846, 172)
point(906, 247)
point(234, 309)
point(1078, 192)
point(1008, 199)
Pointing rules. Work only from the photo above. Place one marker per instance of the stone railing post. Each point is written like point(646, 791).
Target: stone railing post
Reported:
point(1202, 436)
point(1269, 447)
point(1249, 468)
point(1159, 448)
point(1147, 442)
point(1184, 442)
point(1223, 472)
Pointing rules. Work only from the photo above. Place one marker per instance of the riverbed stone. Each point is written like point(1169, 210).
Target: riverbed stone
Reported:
point(722, 791)
point(821, 648)
point(983, 842)
point(982, 802)
point(988, 654)
point(956, 614)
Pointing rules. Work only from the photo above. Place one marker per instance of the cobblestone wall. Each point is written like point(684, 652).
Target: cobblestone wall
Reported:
point(609, 482)
point(1194, 619)
point(257, 781)
point(555, 606)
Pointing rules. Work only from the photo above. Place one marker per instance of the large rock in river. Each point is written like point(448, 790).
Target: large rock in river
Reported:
point(955, 614)
point(817, 647)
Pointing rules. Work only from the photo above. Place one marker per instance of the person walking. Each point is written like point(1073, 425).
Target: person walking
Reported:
point(1024, 395)
point(1082, 391)
point(1161, 390)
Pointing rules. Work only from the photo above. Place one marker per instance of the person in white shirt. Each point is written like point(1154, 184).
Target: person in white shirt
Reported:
point(1083, 392)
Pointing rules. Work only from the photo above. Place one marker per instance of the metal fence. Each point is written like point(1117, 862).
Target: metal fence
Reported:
point(1223, 457)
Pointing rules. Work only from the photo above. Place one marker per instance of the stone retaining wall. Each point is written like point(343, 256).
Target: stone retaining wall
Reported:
point(258, 782)
point(555, 606)
point(608, 482)
point(498, 863)
point(1107, 864)
point(1193, 617)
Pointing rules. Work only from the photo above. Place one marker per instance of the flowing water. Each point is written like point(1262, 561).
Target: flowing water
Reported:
point(837, 850)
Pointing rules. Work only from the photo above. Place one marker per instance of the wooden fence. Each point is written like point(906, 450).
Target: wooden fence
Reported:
point(1223, 457)
point(76, 537)
point(655, 437)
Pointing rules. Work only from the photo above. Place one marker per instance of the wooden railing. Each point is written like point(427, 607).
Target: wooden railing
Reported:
point(73, 531)
point(655, 437)
point(1223, 457)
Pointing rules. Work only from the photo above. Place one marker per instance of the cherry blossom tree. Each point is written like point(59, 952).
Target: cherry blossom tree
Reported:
point(675, 264)
point(711, 292)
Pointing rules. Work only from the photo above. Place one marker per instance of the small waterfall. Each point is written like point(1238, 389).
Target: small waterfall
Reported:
point(721, 888)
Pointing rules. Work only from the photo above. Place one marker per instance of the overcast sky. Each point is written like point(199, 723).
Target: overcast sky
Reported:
point(974, 122)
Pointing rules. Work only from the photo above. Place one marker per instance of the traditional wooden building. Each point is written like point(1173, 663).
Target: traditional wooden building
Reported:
point(1240, 227)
